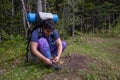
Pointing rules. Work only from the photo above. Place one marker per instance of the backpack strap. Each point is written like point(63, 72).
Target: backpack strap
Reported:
point(39, 32)
point(29, 32)
point(52, 36)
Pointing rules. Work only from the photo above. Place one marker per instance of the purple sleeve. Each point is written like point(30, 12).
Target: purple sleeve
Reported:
point(34, 37)
point(56, 35)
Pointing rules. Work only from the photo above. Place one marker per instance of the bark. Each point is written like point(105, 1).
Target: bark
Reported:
point(24, 19)
point(82, 18)
point(109, 22)
point(81, 22)
point(0, 39)
point(39, 5)
point(12, 7)
point(44, 5)
point(24, 23)
point(73, 28)
point(28, 6)
point(93, 29)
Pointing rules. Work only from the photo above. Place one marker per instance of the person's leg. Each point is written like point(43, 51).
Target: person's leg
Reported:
point(44, 48)
point(64, 44)
point(54, 49)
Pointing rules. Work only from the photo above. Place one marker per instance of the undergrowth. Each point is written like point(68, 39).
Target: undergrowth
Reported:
point(13, 65)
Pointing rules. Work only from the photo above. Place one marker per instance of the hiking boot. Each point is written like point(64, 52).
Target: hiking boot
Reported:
point(56, 67)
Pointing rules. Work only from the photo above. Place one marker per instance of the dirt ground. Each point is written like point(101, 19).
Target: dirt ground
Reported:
point(70, 65)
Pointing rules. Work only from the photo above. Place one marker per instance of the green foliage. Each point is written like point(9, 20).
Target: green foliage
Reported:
point(89, 15)
point(113, 32)
point(11, 16)
point(116, 30)
point(7, 37)
point(63, 28)
point(11, 45)
point(98, 48)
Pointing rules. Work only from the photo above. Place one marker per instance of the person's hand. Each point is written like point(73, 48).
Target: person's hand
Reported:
point(56, 59)
point(48, 61)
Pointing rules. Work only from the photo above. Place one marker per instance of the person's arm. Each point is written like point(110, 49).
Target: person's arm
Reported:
point(59, 46)
point(34, 46)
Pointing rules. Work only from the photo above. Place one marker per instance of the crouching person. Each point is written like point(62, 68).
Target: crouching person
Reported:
point(46, 44)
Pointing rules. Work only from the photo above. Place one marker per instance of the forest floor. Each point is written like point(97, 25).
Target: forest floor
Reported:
point(85, 58)
point(75, 62)
point(71, 64)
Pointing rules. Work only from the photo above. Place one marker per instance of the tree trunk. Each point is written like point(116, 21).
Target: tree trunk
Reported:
point(73, 28)
point(93, 29)
point(12, 7)
point(28, 6)
point(39, 5)
point(12, 14)
point(82, 17)
point(24, 19)
point(81, 24)
point(44, 6)
point(109, 23)
point(24, 23)
point(0, 39)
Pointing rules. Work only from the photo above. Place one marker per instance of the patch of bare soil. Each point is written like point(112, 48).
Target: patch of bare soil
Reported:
point(113, 50)
point(15, 63)
point(2, 71)
point(12, 63)
point(62, 76)
point(95, 40)
point(72, 63)
point(75, 61)
point(103, 40)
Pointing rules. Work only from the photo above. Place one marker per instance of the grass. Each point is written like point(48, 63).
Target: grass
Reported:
point(108, 66)
point(105, 50)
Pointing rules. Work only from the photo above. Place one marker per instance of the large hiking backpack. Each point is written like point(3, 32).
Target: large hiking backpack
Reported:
point(38, 20)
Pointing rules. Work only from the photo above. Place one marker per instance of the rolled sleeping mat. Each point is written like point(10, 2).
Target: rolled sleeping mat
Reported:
point(31, 17)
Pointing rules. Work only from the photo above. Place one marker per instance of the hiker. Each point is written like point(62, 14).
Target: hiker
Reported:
point(46, 43)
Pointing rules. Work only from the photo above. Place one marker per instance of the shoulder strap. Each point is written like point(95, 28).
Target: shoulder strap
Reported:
point(52, 36)
point(29, 32)
point(39, 32)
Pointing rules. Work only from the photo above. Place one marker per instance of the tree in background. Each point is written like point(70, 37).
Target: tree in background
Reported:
point(10, 17)
point(86, 16)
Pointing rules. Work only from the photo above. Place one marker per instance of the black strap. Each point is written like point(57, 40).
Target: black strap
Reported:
point(40, 32)
point(29, 32)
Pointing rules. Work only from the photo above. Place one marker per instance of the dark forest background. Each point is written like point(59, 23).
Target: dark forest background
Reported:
point(75, 16)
